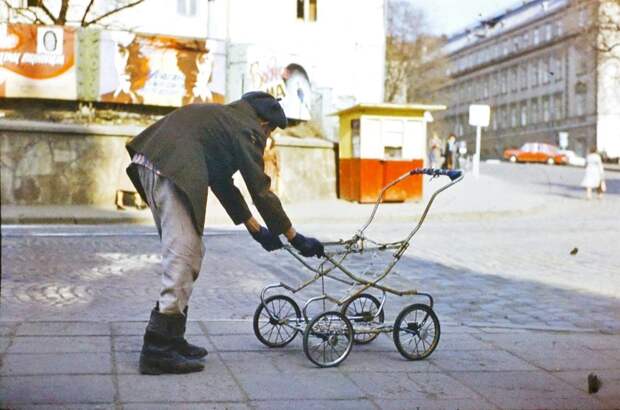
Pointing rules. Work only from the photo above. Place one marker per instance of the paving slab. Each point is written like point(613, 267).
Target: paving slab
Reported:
point(609, 391)
point(208, 405)
point(428, 386)
point(439, 404)
point(206, 386)
point(313, 404)
point(299, 386)
point(526, 390)
point(5, 342)
point(60, 344)
point(479, 360)
point(63, 329)
point(56, 363)
point(60, 389)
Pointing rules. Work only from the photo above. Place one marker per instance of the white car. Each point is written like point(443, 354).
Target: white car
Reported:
point(574, 159)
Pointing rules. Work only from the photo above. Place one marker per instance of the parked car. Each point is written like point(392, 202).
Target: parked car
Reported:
point(536, 152)
point(574, 159)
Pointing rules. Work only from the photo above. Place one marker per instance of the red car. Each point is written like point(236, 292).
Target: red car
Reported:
point(536, 152)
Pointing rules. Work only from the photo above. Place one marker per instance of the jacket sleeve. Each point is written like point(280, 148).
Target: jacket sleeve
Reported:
point(249, 152)
point(232, 200)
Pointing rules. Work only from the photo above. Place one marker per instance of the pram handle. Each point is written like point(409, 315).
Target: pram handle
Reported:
point(450, 173)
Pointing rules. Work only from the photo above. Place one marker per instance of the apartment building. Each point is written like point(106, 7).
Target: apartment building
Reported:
point(539, 69)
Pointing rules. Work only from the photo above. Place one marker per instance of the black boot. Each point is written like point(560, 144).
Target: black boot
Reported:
point(187, 349)
point(159, 352)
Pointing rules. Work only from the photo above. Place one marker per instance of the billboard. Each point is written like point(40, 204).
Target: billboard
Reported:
point(37, 62)
point(155, 70)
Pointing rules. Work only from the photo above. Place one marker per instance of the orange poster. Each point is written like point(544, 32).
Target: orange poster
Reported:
point(155, 70)
point(37, 62)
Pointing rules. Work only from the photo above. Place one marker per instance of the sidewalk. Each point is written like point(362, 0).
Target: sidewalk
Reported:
point(469, 198)
point(59, 365)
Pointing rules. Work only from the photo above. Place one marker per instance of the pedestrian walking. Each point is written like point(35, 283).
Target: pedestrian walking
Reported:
point(435, 158)
point(594, 175)
point(174, 162)
point(450, 153)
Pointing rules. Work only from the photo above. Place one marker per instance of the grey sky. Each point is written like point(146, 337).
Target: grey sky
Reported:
point(450, 16)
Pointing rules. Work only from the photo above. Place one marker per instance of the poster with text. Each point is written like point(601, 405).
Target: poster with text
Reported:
point(37, 62)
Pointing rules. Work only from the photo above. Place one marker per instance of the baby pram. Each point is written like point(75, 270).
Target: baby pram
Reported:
point(328, 336)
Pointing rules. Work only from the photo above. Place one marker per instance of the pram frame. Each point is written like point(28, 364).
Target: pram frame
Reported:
point(401, 246)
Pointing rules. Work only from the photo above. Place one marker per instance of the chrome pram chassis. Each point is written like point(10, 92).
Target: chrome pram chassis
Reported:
point(328, 336)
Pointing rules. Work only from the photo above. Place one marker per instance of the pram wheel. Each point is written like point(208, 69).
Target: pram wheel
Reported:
point(274, 330)
point(328, 339)
point(362, 312)
point(416, 332)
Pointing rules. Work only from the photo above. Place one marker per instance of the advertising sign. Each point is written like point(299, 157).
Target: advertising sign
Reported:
point(37, 62)
point(155, 70)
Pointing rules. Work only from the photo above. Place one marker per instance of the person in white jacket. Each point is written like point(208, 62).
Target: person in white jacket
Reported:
point(594, 176)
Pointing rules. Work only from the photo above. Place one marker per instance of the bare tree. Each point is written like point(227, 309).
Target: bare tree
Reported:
point(58, 12)
point(414, 66)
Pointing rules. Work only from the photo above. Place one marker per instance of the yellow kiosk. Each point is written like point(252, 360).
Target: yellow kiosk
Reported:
point(378, 143)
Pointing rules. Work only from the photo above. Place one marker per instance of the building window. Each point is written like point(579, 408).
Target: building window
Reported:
point(525, 41)
point(307, 7)
point(558, 107)
point(534, 73)
point(301, 9)
point(523, 77)
point(583, 17)
point(544, 71)
point(186, 8)
point(536, 37)
point(546, 110)
point(580, 104)
point(313, 10)
point(485, 90)
point(559, 68)
point(548, 32)
point(514, 86)
point(523, 114)
point(504, 82)
point(513, 116)
point(559, 29)
point(534, 107)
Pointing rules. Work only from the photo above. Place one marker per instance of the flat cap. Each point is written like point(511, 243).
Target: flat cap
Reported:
point(267, 107)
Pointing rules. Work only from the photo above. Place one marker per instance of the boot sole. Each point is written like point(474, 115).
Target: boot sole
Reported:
point(154, 367)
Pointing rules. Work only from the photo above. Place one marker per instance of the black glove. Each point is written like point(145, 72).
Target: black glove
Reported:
point(307, 246)
point(268, 241)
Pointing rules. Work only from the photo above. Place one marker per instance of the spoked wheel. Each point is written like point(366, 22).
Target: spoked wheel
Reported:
point(274, 330)
point(328, 339)
point(362, 312)
point(416, 332)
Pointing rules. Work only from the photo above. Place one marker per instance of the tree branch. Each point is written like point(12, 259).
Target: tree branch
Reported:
point(90, 4)
point(46, 11)
point(62, 15)
point(135, 3)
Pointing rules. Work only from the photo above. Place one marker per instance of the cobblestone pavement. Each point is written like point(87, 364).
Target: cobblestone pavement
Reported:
point(500, 271)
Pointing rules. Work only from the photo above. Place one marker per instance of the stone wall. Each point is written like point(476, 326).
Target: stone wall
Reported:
point(46, 163)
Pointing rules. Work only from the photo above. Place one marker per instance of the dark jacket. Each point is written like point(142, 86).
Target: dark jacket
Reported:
point(202, 145)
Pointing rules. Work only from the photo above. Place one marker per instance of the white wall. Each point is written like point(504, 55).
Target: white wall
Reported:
point(343, 51)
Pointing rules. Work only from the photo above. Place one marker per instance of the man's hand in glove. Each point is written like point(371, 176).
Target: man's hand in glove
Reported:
point(307, 246)
point(268, 241)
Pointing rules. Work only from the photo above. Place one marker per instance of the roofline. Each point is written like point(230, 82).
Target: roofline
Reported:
point(518, 7)
point(391, 106)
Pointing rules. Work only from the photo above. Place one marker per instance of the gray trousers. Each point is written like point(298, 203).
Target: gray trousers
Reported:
point(182, 246)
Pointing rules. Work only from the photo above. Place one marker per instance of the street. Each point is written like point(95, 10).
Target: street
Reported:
point(494, 277)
